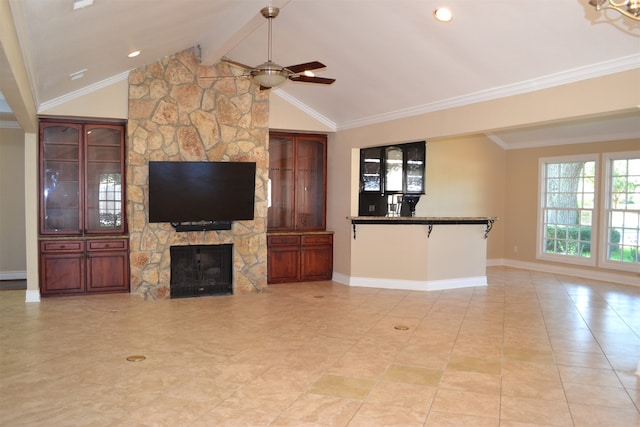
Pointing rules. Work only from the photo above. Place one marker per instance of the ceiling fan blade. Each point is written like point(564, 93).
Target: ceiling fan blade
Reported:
point(309, 79)
point(308, 66)
point(236, 63)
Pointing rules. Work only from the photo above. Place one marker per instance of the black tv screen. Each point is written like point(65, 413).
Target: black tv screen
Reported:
point(201, 191)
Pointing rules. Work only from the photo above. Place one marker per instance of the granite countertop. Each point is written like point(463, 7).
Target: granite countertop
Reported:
point(423, 219)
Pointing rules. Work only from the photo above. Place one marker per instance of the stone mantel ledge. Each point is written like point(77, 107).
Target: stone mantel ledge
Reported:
point(424, 220)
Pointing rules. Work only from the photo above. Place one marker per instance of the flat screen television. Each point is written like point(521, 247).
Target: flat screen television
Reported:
point(201, 191)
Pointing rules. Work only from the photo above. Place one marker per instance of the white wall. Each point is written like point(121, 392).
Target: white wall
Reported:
point(13, 263)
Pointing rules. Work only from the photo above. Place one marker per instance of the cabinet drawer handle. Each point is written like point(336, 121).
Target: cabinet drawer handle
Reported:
point(107, 245)
point(63, 246)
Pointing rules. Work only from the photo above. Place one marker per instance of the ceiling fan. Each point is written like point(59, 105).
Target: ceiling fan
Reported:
point(270, 74)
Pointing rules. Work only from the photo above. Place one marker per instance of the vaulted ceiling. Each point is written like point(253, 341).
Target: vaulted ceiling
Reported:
point(390, 58)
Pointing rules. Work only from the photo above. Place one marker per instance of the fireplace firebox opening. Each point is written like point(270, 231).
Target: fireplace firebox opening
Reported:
point(201, 270)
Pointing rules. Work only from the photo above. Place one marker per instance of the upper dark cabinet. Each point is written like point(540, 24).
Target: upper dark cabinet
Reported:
point(297, 181)
point(393, 169)
point(81, 183)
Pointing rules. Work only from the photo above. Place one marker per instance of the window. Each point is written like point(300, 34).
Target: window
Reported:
point(568, 201)
point(110, 205)
point(573, 195)
point(622, 211)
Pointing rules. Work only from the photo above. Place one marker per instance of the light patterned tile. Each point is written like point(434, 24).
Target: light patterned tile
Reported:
point(474, 364)
point(413, 375)
point(597, 416)
point(585, 394)
point(252, 359)
point(581, 375)
point(536, 411)
point(325, 410)
point(471, 381)
point(446, 419)
point(533, 388)
point(380, 414)
point(402, 394)
point(467, 403)
point(339, 386)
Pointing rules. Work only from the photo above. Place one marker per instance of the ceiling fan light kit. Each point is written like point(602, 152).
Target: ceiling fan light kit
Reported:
point(629, 8)
point(270, 74)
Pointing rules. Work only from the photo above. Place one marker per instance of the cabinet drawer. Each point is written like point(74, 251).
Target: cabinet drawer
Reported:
point(317, 239)
point(283, 240)
point(62, 246)
point(110, 245)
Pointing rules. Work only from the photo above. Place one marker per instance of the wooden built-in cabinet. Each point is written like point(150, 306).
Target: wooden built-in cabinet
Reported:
point(299, 257)
point(84, 266)
point(297, 250)
point(83, 243)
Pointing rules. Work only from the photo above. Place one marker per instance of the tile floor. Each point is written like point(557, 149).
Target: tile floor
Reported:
point(529, 349)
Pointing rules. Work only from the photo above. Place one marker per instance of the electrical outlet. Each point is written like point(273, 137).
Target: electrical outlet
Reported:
point(515, 249)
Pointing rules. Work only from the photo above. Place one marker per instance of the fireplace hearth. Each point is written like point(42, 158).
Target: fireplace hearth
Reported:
point(201, 270)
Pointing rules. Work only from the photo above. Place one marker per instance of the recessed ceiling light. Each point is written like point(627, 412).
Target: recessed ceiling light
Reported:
point(443, 14)
point(77, 75)
point(134, 54)
point(79, 4)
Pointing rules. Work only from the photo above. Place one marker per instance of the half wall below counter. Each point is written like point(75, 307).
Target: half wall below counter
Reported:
point(418, 253)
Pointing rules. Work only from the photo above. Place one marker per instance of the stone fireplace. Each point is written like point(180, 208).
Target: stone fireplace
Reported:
point(180, 111)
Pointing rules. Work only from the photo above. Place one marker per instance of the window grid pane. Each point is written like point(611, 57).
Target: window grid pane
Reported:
point(624, 211)
point(109, 200)
point(568, 208)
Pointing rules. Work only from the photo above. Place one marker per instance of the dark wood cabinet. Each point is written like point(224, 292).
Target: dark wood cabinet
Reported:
point(297, 182)
point(297, 250)
point(81, 178)
point(84, 266)
point(283, 258)
point(62, 267)
point(299, 257)
point(82, 198)
point(316, 257)
point(108, 265)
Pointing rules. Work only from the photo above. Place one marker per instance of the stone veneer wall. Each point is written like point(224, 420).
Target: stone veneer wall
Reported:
point(176, 115)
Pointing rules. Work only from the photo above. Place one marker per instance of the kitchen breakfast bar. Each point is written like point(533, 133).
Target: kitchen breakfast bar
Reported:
point(419, 253)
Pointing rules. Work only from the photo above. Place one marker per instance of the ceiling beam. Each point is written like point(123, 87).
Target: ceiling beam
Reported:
point(14, 80)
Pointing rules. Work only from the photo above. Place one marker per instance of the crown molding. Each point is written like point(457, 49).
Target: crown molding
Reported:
point(82, 91)
point(6, 124)
point(552, 80)
point(305, 108)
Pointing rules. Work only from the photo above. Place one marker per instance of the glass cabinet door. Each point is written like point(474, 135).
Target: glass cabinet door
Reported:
point(281, 178)
point(394, 162)
point(104, 186)
point(415, 168)
point(310, 183)
point(371, 169)
point(60, 192)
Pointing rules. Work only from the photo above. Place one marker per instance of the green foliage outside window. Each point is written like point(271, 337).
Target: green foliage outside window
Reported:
point(576, 240)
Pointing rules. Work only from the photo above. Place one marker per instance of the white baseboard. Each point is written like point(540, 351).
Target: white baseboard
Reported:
point(604, 276)
point(32, 296)
point(13, 275)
